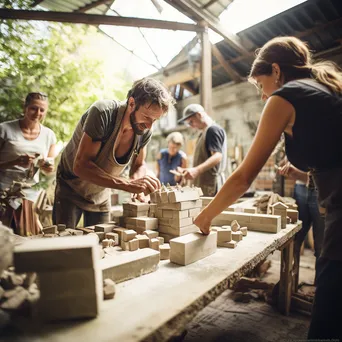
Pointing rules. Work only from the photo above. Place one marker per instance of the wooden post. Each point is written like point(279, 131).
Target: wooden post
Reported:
point(206, 73)
point(285, 284)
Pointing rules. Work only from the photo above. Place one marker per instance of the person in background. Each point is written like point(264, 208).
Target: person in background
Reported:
point(304, 100)
point(109, 136)
point(210, 156)
point(171, 158)
point(306, 198)
point(26, 145)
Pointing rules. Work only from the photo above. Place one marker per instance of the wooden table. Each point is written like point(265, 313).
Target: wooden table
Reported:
point(158, 305)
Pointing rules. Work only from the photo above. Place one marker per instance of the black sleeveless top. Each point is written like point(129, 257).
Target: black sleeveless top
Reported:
point(317, 131)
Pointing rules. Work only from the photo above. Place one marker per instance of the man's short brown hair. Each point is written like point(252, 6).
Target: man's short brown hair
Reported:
point(149, 90)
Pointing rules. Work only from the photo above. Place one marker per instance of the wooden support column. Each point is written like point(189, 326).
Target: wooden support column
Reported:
point(206, 73)
point(286, 278)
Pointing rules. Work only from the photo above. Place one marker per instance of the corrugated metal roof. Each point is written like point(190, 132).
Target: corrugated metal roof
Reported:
point(214, 7)
point(318, 22)
point(74, 5)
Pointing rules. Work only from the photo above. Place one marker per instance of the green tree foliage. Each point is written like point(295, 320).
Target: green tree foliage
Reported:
point(57, 59)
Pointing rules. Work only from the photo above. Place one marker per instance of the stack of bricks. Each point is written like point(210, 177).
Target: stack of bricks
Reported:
point(136, 217)
point(230, 236)
point(70, 279)
point(176, 208)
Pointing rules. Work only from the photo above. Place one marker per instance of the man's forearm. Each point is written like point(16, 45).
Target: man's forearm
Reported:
point(209, 163)
point(138, 171)
point(94, 174)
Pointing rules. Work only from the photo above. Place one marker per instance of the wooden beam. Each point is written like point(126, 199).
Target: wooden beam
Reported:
point(206, 74)
point(225, 64)
point(92, 5)
point(190, 9)
point(208, 4)
point(95, 19)
point(36, 3)
point(188, 88)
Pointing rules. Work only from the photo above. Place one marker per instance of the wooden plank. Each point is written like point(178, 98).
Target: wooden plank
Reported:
point(285, 283)
point(96, 19)
point(234, 75)
point(206, 73)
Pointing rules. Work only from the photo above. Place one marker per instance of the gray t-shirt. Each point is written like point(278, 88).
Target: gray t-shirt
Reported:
point(98, 122)
point(13, 144)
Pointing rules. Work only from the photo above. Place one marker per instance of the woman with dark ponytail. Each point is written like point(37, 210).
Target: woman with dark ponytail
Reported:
point(304, 101)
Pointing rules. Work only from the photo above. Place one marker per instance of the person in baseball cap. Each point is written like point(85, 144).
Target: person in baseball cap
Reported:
point(210, 155)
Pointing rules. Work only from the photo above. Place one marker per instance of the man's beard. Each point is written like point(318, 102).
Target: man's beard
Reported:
point(135, 125)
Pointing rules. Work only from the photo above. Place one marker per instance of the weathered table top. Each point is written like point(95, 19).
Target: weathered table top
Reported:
point(160, 304)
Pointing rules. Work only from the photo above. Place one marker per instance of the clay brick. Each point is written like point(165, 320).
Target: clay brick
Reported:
point(128, 235)
point(237, 236)
point(133, 244)
point(176, 223)
point(182, 205)
point(192, 247)
point(144, 241)
point(228, 244)
point(39, 255)
point(224, 235)
point(150, 223)
point(151, 234)
point(178, 231)
point(154, 244)
point(104, 227)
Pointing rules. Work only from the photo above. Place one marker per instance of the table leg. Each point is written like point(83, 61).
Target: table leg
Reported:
point(286, 278)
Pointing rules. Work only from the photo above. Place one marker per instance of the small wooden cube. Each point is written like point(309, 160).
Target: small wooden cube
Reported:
point(154, 244)
point(161, 240)
point(128, 235)
point(228, 244)
point(152, 234)
point(237, 236)
point(243, 230)
point(164, 251)
point(144, 241)
point(133, 244)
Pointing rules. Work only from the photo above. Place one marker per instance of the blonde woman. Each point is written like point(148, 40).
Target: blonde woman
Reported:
point(171, 158)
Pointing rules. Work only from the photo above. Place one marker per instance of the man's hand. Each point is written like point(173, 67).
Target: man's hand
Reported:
point(190, 173)
point(145, 185)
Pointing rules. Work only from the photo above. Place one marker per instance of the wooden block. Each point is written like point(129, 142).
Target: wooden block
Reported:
point(167, 237)
point(237, 236)
point(178, 231)
point(119, 231)
point(133, 244)
point(243, 230)
point(101, 235)
point(131, 221)
point(176, 223)
point(124, 245)
point(39, 255)
point(105, 243)
point(192, 247)
point(144, 241)
point(228, 244)
point(74, 231)
point(235, 226)
point(150, 223)
point(224, 235)
point(128, 235)
point(182, 205)
point(167, 214)
point(68, 283)
point(194, 212)
point(131, 227)
point(164, 251)
point(161, 240)
point(292, 214)
point(74, 307)
point(61, 227)
point(154, 244)
point(252, 221)
point(84, 230)
point(104, 227)
point(151, 234)
point(50, 230)
point(185, 194)
point(114, 237)
point(137, 206)
point(127, 266)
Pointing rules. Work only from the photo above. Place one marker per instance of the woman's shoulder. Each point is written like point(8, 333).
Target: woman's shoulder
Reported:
point(48, 133)
point(8, 127)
